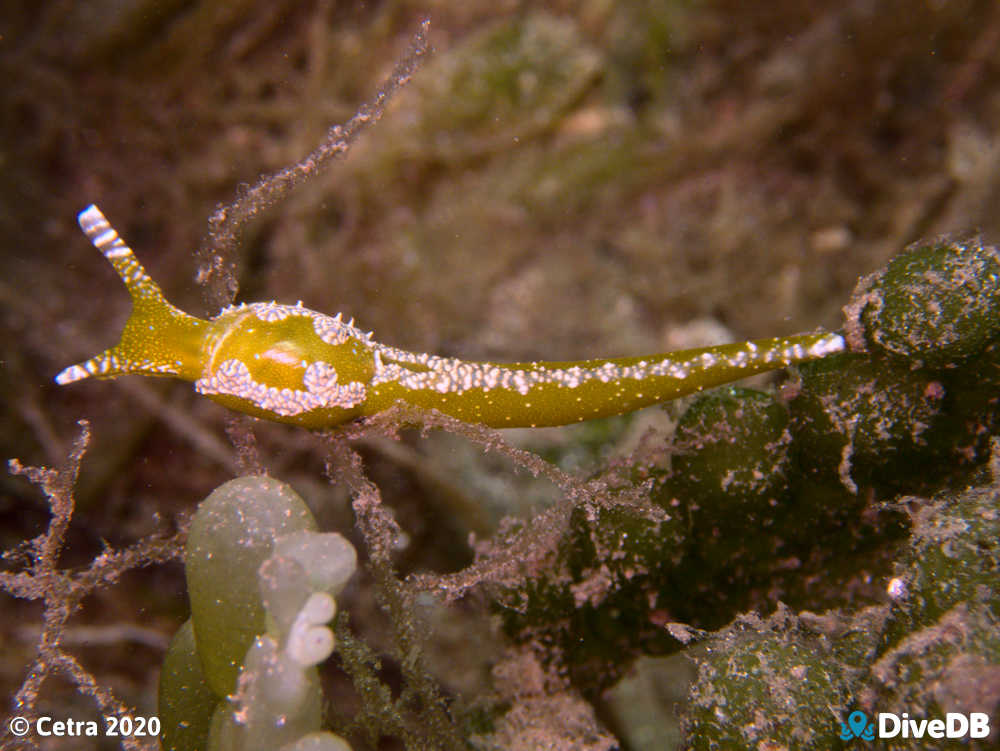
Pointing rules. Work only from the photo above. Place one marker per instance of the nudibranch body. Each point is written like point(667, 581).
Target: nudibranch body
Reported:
point(290, 364)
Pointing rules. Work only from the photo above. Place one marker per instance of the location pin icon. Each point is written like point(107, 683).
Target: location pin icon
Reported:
point(857, 720)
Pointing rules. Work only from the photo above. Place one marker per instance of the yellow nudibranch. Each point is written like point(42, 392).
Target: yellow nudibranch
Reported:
point(290, 364)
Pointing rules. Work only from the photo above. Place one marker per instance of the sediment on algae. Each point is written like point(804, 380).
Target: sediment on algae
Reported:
point(933, 648)
point(817, 497)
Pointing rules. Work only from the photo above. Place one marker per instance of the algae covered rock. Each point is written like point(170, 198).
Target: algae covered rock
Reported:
point(975, 412)
point(954, 555)
point(612, 582)
point(731, 469)
point(863, 420)
point(953, 559)
point(937, 304)
point(940, 652)
point(952, 666)
point(768, 684)
point(790, 681)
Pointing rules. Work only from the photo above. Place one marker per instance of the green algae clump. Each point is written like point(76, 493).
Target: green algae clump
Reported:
point(954, 556)
point(734, 457)
point(768, 685)
point(937, 303)
point(241, 674)
point(232, 534)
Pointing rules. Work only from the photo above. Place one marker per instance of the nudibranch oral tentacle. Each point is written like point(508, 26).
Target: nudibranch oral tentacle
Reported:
point(158, 339)
point(290, 364)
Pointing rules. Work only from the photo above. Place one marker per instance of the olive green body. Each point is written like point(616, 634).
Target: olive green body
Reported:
point(290, 364)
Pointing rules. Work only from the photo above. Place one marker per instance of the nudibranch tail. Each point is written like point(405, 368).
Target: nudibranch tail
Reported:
point(158, 339)
point(537, 394)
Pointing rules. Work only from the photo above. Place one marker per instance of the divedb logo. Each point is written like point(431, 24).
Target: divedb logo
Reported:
point(891, 725)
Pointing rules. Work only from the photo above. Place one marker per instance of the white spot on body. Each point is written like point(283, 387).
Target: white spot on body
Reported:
point(271, 311)
point(333, 331)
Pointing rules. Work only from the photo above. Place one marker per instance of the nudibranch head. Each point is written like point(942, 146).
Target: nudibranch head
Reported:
point(278, 362)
